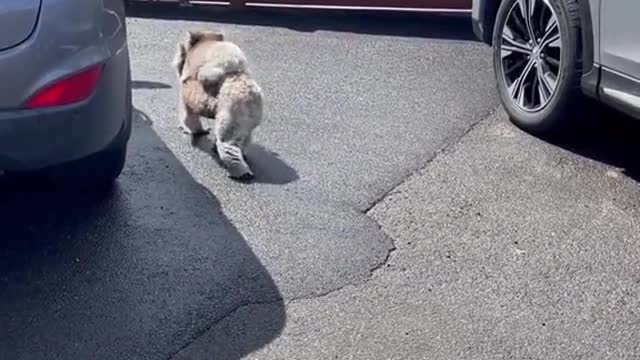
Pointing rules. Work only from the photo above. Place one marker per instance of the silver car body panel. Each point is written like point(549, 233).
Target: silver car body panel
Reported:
point(620, 55)
point(17, 20)
point(70, 36)
point(620, 32)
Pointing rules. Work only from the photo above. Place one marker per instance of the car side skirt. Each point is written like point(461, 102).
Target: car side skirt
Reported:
point(620, 91)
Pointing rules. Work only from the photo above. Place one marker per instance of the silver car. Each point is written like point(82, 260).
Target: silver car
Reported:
point(65, 89)
point(549, 54)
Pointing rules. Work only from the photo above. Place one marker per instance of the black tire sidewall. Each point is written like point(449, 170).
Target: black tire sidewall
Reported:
point(97, 172)
point(554, 115)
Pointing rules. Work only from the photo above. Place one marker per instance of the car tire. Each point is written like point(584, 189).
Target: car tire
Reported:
point(537, 68)
point(97, 172)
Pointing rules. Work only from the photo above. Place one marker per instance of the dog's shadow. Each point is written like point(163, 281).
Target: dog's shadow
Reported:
point(267, 165)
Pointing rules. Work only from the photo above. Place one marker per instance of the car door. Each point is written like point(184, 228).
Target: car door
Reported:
point(620, 53)
point(620, 34)
point(416, 4)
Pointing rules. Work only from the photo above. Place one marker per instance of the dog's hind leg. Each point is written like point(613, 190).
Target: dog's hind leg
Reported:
point(232, 157)
point(229, 146)
point(189, 121)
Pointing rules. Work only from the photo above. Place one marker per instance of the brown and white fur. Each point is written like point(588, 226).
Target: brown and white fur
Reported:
point(215, 83)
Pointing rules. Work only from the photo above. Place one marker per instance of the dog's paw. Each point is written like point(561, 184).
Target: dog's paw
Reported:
point(241, 176)
point(245, 178)
point(198, 132)
point(202, 132)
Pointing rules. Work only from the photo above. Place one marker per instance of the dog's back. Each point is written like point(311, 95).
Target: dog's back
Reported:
point(216, 59)
point(207, 57)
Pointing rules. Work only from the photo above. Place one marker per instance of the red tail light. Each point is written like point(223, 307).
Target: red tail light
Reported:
point(67, 91)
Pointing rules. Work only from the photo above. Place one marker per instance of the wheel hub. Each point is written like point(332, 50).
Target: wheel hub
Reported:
point(537, 53)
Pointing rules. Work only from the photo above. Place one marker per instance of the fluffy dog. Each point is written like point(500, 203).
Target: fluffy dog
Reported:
point(215, 83)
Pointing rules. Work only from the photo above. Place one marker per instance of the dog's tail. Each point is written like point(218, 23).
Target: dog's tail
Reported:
point(211, 74)
point(214, 73)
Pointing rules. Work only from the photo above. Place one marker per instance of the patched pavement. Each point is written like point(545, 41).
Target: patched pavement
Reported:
point(507, 247)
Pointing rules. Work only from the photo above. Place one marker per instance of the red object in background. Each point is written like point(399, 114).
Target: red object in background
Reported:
point(417, 4)
point(70, 90)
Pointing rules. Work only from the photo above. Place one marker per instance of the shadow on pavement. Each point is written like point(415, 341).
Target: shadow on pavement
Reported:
point(139, 273)
point(142, 117)
point(141, 84)
point(439, 26)
point(608, 137)
point(268, 167)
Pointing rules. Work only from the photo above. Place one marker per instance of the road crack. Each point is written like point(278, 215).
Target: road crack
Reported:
point(448, 145)
point(394, 189)
point(377, 267)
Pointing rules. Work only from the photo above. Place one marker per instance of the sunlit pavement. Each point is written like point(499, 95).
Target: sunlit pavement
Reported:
point(505, 246)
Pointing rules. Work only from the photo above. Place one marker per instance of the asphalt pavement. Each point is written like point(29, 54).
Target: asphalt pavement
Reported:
point(354, 104)
point(182, 262)
point(507, 247)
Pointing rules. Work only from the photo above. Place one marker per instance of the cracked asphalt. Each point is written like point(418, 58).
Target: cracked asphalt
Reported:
point(507, 247)
point(395, 214)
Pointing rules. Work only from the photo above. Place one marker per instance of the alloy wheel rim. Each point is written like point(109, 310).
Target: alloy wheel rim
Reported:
point(531, 54)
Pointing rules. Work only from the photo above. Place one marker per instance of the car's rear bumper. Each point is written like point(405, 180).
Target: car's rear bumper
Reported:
point(35, 139)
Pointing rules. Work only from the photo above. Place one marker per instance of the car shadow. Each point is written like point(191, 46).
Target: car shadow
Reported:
point(403, 24)
point(267, 165)
point(141, 84)
point(138, 273)
point(608, 137)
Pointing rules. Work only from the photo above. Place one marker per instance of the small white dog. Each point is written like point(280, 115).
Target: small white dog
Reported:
point(215, 83)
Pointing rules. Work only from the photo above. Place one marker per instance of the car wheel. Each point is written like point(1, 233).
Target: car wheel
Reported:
point(537, 63)
point(97, 172)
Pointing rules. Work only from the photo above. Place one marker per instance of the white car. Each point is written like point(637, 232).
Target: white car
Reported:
point(549, 54)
